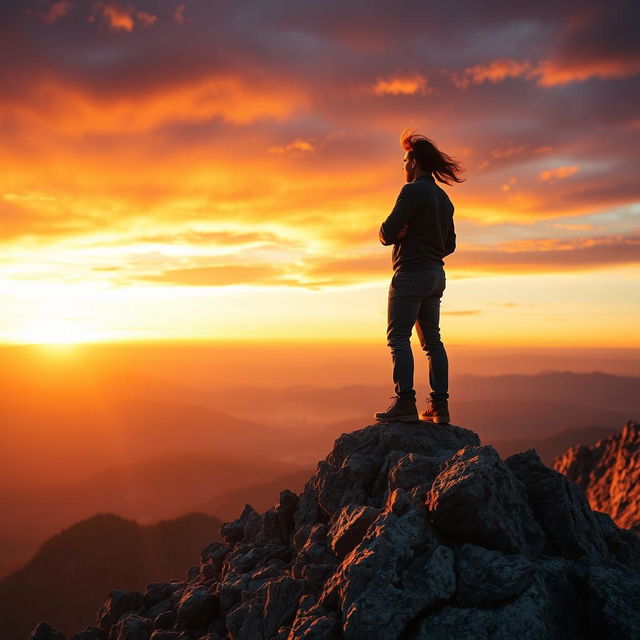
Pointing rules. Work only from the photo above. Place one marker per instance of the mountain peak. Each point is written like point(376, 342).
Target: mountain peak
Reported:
point(404, 531)
point(609, 474)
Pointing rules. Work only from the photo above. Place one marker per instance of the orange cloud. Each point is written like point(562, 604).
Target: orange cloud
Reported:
point(547, 73)
point(507, 185)
point(549, 254)
point(122, 18)
point(552, 73)
point(218, 276)
point(397, 85)
point(146, 19)
point(296, 145)
point(178, 14)
point(558, 173)
point(524, 256)
point(117, 17)
point(507, 152)
point(70, 111)
point(496, 71)
point(56, 11)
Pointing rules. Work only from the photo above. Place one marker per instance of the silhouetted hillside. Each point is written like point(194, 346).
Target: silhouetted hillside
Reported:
point(609, 474)
point(406, 531)
point(67, 578)
point(146, 490)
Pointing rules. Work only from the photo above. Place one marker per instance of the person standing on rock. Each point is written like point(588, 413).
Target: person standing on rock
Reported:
point(422, 233)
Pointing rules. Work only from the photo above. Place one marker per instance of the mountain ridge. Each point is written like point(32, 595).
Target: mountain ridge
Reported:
point(408, 531)
point(609, 474)
point(65, 580)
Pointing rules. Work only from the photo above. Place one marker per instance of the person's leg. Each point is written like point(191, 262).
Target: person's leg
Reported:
point(402, 312)
point(428, 329)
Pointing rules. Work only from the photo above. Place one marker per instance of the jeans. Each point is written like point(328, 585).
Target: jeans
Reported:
point(414, 299)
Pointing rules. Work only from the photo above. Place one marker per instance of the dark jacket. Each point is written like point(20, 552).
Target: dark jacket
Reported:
point(431, 236)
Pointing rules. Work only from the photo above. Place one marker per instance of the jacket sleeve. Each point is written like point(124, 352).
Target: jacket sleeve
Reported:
point(451, 239)
point(404, 208)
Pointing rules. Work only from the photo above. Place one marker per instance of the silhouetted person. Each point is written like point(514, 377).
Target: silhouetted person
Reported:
point(421, 229)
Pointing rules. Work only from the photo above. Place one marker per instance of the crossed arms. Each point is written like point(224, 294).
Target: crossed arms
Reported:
point(395, 226)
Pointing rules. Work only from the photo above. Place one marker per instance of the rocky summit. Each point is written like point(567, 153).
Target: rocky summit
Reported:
point(408, 531)
point(609, 474)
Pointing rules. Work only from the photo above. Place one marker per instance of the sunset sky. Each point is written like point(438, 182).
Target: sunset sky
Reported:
point(219, 170)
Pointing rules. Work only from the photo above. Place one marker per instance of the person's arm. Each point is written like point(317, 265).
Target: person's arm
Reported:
point(406, 204)
point(451, 239)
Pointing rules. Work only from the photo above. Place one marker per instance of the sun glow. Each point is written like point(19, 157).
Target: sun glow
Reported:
point(55, 331)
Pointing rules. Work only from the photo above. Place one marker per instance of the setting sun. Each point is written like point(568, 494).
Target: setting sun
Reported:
point(55, 331)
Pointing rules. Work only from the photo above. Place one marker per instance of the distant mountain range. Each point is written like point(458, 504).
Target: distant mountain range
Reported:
point(259, 496)
point(550, 447)
point(67, 578)
point(147, 490)
point(110, 444)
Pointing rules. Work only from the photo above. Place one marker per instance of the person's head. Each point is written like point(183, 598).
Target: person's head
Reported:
point(422, 156)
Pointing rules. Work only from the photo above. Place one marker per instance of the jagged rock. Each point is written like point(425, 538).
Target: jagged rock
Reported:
point(277, 524)
point(560, 507)
point(521, 619)
point(165, 620)
point(281, 603)
point(44, 631)
point(212, 635)
point(275, 603)
point(406, 531)
point(314, 561)
point(487, 577)
point(120, 601)
point(609, 474)
point(244, 528)
point(622, 543)
point(477, 498)
point(212, 558)
point(160, 634)
point(541, 612)
point(193, 572)
point(158, 591)
point(313, 621)
point(347, 527)
point(197, 607)
point(366, 586)
point(90, 633)
point(131, 627)
point(414, 472)
point(613, 594)
point(162, 607)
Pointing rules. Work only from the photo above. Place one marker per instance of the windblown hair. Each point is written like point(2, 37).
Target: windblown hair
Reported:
point(429, 158)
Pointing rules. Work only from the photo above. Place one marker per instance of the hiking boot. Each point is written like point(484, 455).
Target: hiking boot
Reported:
point(437, 411)
point(400, 410)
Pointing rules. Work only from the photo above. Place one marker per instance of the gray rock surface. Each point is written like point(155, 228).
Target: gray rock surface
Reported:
point(405, 531)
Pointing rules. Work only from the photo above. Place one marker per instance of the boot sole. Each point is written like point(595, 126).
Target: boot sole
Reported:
point(436, 420)
point(413, 418)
